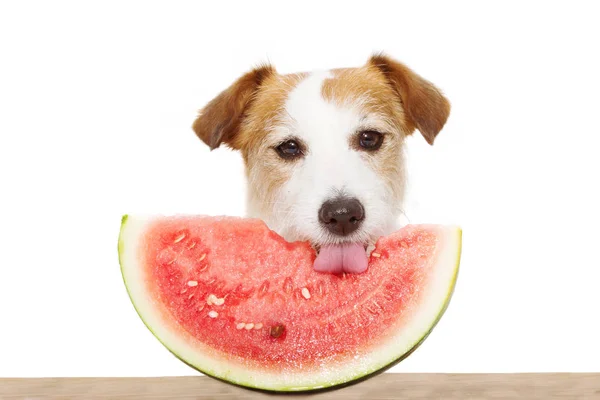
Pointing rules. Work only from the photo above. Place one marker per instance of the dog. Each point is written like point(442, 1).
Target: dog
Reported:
point(323, 151)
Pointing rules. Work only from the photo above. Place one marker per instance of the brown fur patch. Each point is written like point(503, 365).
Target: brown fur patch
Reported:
point(426, 107)
point(368, 89)
point(265, 110)
point(240, 116)
point(265, 170)
point(219, 121)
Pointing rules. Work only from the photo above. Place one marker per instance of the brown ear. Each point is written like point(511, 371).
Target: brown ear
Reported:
point(219, 121)
point(424, 104)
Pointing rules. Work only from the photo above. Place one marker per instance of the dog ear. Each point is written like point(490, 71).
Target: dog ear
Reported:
point(219, 121)
point(424, 104)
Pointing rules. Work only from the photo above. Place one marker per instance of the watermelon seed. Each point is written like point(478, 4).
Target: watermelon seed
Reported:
point(172, 261)
point(211, 299)
point(305, 293)
point(219, 302)
point(404, 244)
point(376, 255)
point(213, 314)
point(183, 291)
point(258, 326)
point(192, 283)
point(249, 326)
point(240, 326)
point(277, 330)
point(191, 246)
point(190, 296)
point(179, 238)
point(202, 257)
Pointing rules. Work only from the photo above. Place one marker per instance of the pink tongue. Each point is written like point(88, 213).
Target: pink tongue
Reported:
point(335, 259)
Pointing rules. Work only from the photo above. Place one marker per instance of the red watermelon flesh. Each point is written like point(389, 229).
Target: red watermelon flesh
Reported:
point(236, 301)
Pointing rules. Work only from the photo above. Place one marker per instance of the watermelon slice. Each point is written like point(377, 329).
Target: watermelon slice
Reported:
point(233, 299)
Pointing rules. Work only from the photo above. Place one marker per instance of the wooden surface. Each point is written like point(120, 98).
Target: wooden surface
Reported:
point(384, 386)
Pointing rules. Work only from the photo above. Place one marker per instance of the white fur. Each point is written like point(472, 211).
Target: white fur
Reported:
point(330, 167)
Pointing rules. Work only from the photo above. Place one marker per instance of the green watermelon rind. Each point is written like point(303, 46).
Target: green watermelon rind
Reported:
point(453, 255)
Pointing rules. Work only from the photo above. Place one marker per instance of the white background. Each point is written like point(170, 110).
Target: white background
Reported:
point(96, 104)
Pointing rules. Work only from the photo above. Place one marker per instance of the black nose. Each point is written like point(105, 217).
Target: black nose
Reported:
point(342, 216)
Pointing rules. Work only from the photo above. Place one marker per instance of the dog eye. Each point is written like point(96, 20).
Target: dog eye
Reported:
point(370, 140)
point(289, 149)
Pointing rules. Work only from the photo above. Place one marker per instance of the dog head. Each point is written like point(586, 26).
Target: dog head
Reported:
point(324, 150)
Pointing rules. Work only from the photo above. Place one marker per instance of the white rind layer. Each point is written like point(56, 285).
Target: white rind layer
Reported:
point(436, 298)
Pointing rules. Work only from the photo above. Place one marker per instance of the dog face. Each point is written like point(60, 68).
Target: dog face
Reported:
point(324, 150)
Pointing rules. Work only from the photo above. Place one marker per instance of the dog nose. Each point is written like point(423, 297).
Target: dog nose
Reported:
point(342, 216)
